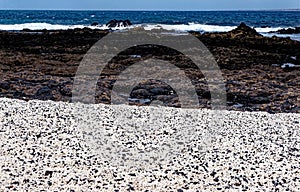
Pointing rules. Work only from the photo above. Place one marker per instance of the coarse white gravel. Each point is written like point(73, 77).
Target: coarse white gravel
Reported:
point(45, 146)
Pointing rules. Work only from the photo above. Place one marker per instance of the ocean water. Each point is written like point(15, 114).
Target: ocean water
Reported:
point(202, 21)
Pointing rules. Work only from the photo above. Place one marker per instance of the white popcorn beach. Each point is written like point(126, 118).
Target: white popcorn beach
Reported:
point(43, 150)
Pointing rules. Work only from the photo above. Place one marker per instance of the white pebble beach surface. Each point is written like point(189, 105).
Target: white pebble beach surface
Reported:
point(43, 150)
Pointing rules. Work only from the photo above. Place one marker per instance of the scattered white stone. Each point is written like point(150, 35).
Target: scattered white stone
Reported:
point(43, 150)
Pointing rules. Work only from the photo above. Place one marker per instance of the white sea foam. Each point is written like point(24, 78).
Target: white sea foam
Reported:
point(48, 26)
point(267, 29)
point(38, 26)
point(204, 28)
point(177, 28)
point(190, 27)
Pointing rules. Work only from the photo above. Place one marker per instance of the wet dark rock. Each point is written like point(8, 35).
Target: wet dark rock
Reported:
point(206, 94)
point(19, 94)
point(164, 98)
point(4, 85)
point(160, 91)
point(44, 93)
point(94, 24)
point(140, 93)
point(245, 30)
point(259, 100)
point(295, 30)
point(119, 23)
point(43, 66)
point(66, 90)
point(52, 84)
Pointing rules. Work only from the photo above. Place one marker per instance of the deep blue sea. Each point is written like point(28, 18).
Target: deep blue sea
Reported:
point(203, 21)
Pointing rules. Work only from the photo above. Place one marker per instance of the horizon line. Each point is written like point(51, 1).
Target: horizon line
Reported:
point(289, 9)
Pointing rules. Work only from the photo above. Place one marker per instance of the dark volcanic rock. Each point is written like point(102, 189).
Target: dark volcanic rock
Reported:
point(94, 24)
point(43, 65)
point(160, 91)
point(44, 93)
point(244, 30)
point(243, 47)
point(260, 100)
point(4, 85)
point(66, 90)
point(119, 23)
point(140, 93)
point(52, 84)
point(295, 30)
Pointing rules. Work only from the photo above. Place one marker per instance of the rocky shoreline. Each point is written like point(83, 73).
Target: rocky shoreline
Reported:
point(295, 30)
point(261, 73)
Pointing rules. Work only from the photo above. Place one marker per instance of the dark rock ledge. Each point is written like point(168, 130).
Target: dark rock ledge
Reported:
point(42, 65)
